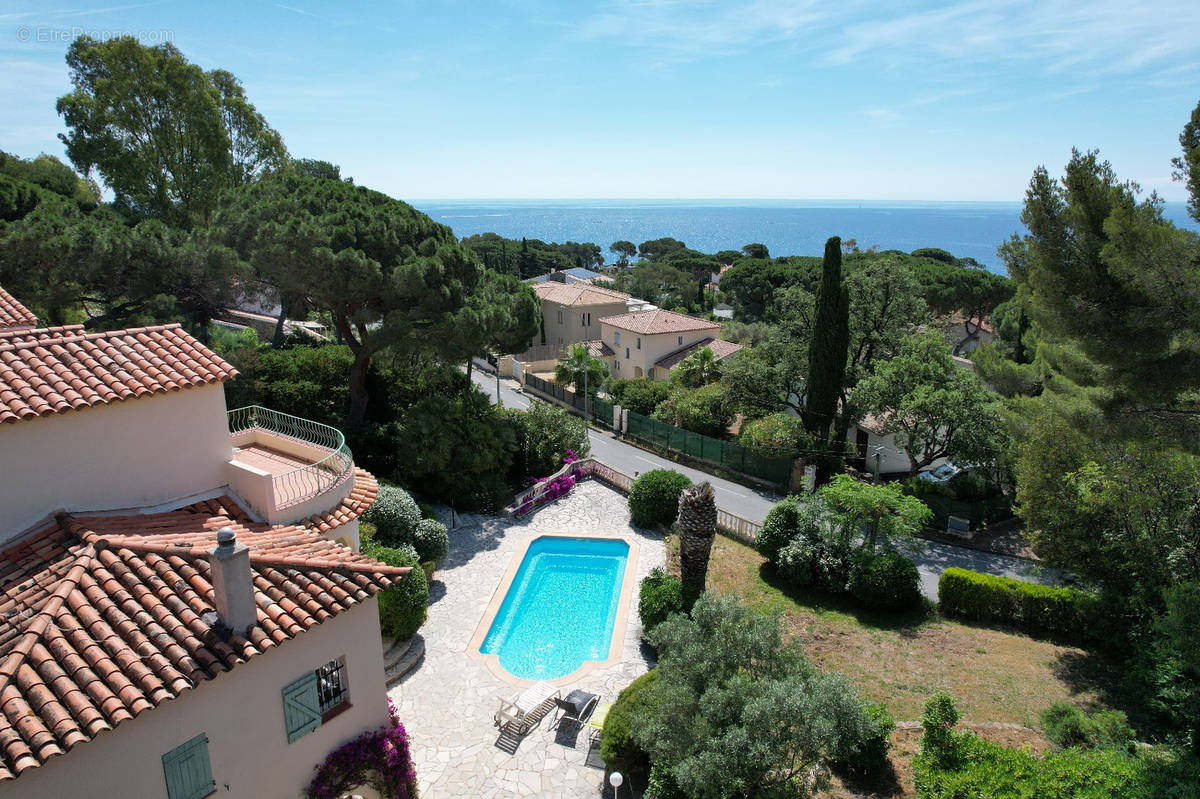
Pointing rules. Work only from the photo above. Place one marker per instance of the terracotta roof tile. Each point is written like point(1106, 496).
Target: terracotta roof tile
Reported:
point(52, 370)
point(720, 349)
point(13, 314)
point(103, 618)
point(658, 321)
point(578, 294)
point(599, 349)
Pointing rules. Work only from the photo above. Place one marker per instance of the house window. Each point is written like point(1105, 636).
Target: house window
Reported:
point(639, 342)
point(314, 699)
point(616, 338)
point(560, 316)
point(681, 341)
point(188, 771)
point(618, 365)
point(626, 352)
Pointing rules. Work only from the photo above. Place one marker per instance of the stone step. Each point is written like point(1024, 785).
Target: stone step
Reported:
point(401, 657)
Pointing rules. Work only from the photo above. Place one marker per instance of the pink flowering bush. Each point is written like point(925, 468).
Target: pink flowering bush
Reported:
point(557, 487)
point(378, 759)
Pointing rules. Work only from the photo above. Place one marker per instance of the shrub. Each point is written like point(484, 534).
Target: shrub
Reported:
point(616, 744)
point(395, 515)
point(811, 560)
point(778, 528)
point(545, 434)
point(885, 580)
point(654, 497)
point(1060, 611)
point(940, 745)
point(705, 410)
point(780, 435)
point(640, 395)
point(662, 785)
point(1069, 726)
point(432, 541)
point(864, 749)
point(403, 606)
point(660, 595)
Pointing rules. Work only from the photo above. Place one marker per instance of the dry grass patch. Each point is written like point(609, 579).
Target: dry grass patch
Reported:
point(994, 675)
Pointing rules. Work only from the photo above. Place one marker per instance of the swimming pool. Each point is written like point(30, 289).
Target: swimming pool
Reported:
point(560, 607)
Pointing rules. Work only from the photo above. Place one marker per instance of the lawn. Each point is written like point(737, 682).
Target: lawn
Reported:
point(995, 675)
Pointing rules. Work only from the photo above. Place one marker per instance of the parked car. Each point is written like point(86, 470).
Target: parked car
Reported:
point(942, 474)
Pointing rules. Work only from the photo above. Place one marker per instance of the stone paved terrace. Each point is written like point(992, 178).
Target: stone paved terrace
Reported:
point(447, 702)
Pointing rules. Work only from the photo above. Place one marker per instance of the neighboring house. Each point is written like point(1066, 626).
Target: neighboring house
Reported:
point(160, 636)
point(576, 274)
point(714, 283)
point(571, 312)
point(965, 335)
point(723, 311)
point(652, 343)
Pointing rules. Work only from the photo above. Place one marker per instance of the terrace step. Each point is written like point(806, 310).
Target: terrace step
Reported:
point(401, 657)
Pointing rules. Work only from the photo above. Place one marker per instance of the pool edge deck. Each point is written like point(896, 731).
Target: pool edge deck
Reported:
point(617, 635)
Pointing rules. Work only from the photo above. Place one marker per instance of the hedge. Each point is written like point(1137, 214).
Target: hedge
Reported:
point(617, 748)
point(403, 606)
point(885, 580)
point(395, 515)
point(659, 596)
point(654, 497)
point(1052, 610)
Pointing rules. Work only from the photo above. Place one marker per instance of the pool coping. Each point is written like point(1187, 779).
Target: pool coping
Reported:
point(617, 641)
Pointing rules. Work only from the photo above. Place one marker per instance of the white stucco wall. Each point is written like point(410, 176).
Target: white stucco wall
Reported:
point(241, 711)
point(653, 348)
point(136, 453)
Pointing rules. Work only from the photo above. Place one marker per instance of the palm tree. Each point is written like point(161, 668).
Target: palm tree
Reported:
point(580, 368)
point(698, 369)
point(697, 527)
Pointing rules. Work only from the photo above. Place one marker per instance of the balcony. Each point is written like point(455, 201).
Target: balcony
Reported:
point(287, 468)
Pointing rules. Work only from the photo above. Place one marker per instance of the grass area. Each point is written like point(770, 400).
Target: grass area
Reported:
point(901, 660)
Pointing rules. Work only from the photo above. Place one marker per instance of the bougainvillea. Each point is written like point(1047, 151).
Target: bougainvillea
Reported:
point(554, 487)
point(378, 759)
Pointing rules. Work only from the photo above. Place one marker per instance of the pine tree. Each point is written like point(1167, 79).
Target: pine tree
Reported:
point(697, 527)
point(827, 351)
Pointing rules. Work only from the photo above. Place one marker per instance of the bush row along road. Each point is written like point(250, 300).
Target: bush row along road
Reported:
point(753, 503)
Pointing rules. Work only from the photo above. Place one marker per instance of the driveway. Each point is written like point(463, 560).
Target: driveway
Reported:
point(753, 503)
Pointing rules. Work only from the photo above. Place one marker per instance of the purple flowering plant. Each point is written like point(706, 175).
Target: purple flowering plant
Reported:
point(377, 758)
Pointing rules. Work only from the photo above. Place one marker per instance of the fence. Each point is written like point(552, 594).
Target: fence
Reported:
point(601, 410)
point(542, 492)
point(723, 453)
point(332, 459)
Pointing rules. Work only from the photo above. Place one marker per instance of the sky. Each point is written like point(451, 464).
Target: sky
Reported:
point(804, 99)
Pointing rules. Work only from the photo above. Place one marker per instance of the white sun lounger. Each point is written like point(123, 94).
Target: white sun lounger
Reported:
point(518, 710)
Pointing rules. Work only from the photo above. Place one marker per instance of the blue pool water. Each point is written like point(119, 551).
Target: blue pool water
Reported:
point(560, 608)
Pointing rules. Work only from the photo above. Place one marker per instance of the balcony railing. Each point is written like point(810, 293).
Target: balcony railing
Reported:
point(299, 440)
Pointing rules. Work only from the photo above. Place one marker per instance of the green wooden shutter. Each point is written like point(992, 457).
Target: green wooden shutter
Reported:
point(301, 707)
point(188, 771)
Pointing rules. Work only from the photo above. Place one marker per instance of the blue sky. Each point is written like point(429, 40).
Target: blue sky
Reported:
point(668, 98)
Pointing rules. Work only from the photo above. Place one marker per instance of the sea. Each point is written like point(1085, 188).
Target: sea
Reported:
point(787, 227)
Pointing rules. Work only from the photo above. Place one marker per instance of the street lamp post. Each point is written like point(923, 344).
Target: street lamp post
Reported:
point(615, 780)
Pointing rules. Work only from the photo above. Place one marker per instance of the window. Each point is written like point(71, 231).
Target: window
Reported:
point(626, 352)
point(585, 319)
point(639, 342)
point(314, 699)
point(560, 316)
point(681, 341)
point(616, 338)
point(618, 365)
point(188, 771)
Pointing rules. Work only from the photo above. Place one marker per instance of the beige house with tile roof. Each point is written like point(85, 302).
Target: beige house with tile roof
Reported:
point(571, 312)
point(160, 634)
point(652, 343)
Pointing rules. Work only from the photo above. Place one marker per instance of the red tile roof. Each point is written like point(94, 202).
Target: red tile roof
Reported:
point(720, 349)
point(599, 348)
point(52, 370)
point(104, 617)
point(658, 321)
point(13, 313)
point(578, 294)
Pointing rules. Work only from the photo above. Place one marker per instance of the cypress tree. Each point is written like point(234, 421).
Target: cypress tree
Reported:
point(830, 342)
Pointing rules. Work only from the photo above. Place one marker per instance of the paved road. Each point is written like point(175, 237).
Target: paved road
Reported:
point(753, 503)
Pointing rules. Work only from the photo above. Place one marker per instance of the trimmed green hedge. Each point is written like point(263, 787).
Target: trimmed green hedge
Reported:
point(617, 748)
point(403, 606)
point(1043, 609)
point(654, 497)
point(659, 596)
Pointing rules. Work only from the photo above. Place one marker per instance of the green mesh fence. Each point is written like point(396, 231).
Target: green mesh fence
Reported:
point(603, 411)
point(723, 453)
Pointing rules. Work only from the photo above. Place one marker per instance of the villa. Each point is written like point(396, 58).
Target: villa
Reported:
point(183, 609)
point(652, 343)
point(571, 312)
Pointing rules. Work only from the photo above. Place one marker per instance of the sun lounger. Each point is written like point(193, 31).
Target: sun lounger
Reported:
point(521, 709)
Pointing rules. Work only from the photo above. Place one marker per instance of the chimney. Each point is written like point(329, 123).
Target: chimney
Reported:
point(232, 582)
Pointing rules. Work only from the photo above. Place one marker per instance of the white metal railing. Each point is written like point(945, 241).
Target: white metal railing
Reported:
point(297, 485)
point(534, 497)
